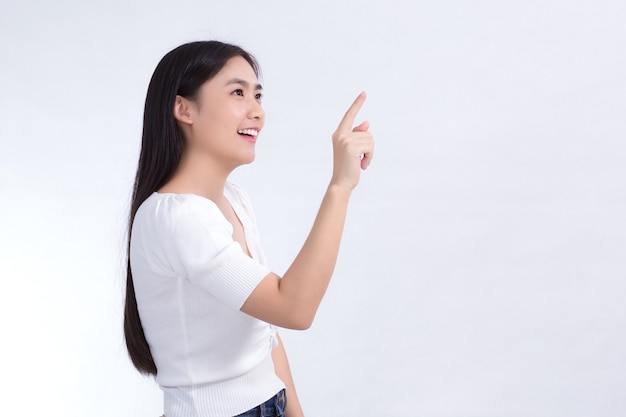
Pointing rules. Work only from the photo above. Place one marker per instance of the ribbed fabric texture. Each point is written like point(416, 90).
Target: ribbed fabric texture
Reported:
point(191, 278)
point(226, 399)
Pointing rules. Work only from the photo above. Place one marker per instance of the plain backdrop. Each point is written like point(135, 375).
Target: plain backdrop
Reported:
point(483, 269)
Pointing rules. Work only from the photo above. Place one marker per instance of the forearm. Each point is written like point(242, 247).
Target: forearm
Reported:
point(281, 367)
point(306, 280)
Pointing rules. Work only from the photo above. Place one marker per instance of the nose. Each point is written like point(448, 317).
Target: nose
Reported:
point(256, 110)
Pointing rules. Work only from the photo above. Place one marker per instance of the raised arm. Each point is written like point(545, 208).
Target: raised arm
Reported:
point(292, 301)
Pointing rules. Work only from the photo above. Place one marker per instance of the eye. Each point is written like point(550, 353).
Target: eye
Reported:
point(258, 96)
point(238, 92)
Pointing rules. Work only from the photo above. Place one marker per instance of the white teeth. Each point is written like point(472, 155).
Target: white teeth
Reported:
point(249, 132)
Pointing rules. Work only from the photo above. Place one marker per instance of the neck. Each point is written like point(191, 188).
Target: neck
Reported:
point(198, 174)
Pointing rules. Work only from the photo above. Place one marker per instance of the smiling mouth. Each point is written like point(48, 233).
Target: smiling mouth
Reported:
point(253, 133)
point(248, 134)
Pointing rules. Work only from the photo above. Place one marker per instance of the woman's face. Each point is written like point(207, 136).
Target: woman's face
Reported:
point(228, 115)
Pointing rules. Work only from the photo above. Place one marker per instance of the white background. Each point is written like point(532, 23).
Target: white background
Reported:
point(483, 269)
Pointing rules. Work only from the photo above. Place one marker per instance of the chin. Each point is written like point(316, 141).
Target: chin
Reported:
point(250, 155)
point(249, 161)
point(246, 159)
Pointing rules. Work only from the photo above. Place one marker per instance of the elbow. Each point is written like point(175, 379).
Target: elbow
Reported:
point(300, 321)
point(303, 325)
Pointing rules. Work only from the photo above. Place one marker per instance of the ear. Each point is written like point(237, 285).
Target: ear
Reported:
point(183, 110)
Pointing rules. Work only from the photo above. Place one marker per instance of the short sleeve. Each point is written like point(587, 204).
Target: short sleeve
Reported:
point(205, 252)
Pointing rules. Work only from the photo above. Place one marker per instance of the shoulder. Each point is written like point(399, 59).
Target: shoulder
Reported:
point(170, 212)
point(170, 204)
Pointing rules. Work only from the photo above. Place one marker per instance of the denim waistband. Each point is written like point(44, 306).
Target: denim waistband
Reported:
point(274, 407)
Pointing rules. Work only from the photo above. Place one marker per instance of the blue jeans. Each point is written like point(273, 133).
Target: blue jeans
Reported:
point(274, 407)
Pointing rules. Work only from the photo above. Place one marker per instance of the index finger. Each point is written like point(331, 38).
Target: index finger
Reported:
point(348, 119)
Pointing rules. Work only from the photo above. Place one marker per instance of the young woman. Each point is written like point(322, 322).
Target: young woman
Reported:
point(201, 304)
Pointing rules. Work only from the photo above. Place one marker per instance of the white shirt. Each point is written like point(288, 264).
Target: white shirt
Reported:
point(191, 279)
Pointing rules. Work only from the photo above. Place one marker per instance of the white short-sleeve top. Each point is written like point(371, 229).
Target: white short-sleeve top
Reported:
point(191, 279)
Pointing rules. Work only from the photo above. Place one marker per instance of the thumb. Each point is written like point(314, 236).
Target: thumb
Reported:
point(362, 127)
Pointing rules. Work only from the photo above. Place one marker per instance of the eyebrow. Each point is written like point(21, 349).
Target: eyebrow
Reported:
point(243, 83)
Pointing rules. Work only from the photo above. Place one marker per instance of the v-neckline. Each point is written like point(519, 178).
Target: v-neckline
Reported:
point(235, 208)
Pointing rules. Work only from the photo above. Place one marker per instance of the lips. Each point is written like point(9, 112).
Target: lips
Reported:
point(249, 134)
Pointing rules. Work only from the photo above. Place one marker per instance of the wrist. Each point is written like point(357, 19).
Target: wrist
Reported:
point(339, 189)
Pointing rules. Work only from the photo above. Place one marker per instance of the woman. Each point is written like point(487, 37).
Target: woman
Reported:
point(200, 301)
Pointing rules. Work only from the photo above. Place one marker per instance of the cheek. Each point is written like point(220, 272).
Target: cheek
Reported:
point(215, 131)
point(211, 125)
point(226, 115)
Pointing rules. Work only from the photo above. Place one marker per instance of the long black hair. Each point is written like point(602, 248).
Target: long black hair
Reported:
point(181, 72)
